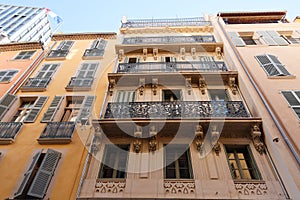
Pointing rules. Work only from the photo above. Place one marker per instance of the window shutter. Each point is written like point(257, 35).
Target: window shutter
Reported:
point(236, 39)
point(36, 109)
point(6, 102)
point(67, 45)
point(291, 98)
point(272, 65)
point(50, 113)
point(86, 107)
point(28, 174)
point(43, 177)
point(126, 96)
point(94, 44)
point(267, 38)
point(279, 65)
point(277, 38)
point(126, 59)
point(163, 59)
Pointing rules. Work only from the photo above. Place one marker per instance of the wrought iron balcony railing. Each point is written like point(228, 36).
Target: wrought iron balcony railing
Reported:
point(170, 39)
point(9, 130)
point(172, 66)
point(76, 82)
point(33, 83)
point(58, 130)
point(141, 23)
point(176, 109)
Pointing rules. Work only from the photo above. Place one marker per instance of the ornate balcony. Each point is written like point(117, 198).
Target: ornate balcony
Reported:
point(8, 131)
point(141, 23)
point(36, 84)
point(177, 110)
point(79, 84)
point(169, 39)
point(57, 132)
point(195, 66)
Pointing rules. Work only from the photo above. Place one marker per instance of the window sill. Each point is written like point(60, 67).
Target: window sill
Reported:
point(4, 82)
point(72, 89)
point(55, 58)
point(246, 181)
point(4, 141)
point(54, 140)
point(34, 89)
point(91, 57)
point(282, 77)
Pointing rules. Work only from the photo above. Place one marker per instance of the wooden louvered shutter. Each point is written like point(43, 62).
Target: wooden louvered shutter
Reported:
point(94, 44)
point(36, 109)
point(6, 102)
point(86, 107)
point(44, 174)
point(280, 67)
point(67, 45)
point(293, 101)
point(267, 65)
point(277, 38)
point(236, 39)
point(28, 174)
point(50, 113)
point(267, 38)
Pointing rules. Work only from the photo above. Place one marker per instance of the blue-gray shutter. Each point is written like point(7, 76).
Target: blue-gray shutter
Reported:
point(267, 38)
point(47, 71)
point(272, 65)
point(236, 39)
point(125, 96)
point(28, 174)
point(277, 38)
point(6, 102)
point(36, 109)
point(50, 113)
point(293, 101)
point(279, 66)
point(44, 174)
point(65, 45)
point(86, 108)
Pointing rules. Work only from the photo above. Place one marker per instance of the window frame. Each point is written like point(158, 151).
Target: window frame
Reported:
point(293, 92)
point(275, 63)
point(22, 56)
point(254, 167)
point(14, 71)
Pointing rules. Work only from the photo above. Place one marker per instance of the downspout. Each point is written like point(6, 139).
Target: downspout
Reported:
point(282, 132)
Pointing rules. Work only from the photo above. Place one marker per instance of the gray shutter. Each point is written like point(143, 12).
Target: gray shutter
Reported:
point(277, 38)
point(44, 174)
point(50, 113)
point(66, 45)
point(94, 44)
point(267, 65)
point(267, 38)
point(36, 109)
point(163, 59)
point(236, 39)
point(126, 59)
point(291, 98)
point(86, 108)
point(28, 174)
point(279, 65)
point(6, 102)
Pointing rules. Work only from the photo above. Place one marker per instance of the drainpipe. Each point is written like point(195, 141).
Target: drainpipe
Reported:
point(282, 132)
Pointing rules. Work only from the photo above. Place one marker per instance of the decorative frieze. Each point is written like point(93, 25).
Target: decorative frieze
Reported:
point(179, 187)
point(103, 186)
point(253, 188)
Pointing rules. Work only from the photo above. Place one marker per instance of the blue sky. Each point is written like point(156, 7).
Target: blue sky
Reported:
point(103, 16)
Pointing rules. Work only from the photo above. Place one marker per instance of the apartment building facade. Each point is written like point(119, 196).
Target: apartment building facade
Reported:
point(46, 128)
point(24, 24)
point(174, 123)
point(264, 48)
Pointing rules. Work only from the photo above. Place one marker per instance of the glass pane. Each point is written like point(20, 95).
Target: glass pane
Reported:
point(240, 155)
point(247, 174)
point(236, 174)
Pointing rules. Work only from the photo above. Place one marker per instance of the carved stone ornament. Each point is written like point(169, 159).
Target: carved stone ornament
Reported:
point(152, 144)
point(142, 86)
point(144, 54)
point(188, 85)
point(110, 186)
point(232, 85)
point(255, 135)
point(121, 54)
point(251, 188)
point(112, 84)
point(214, 140)
point(155, 52)
point(202, 85)
point(199, 136)
point(179, 187)
point(218, 51)
point(154, 85)
point(137, 146)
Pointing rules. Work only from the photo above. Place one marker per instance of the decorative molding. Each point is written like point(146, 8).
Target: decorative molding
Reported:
point(256, 188)
point(202, 85)
point(85, 36)
point(199, 136)
point(20, 46)
point(256, 135)
point(179, 187)
point(107, 186)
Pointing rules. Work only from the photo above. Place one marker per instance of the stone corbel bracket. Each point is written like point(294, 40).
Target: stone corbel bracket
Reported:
point(142, 86)
point(188, 84)
point(137, 144)
point(199, 136)
point(121, 54)
point(218, 51)
point(256, 139)
point(193, 53)
point(154, 85)
point(152, 140)
point(155, 52)
point(232, 85)
point(215, 135)
point(145, 54)
point(182, 53)
point(112, 84)
point(202, 85)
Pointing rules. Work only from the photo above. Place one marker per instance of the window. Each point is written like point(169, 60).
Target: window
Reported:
point(272, 38)
point(292, 40)
point(241, 163)
point(236, 39)
point(272, 65)
point(132, 60)
point(249, 40)
point(84, 78)
point(218, 95)
point(72, 109)
point(38, 177)
point(177, 162)
point(293, 98)
point(97, 48)
point(42, 78)
point(5, 103)
point(125, 96)
point(114, 162)
point(171, 95)
point(7, 75)
point(62, 50)
point(24, 55)
point(29, 109)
